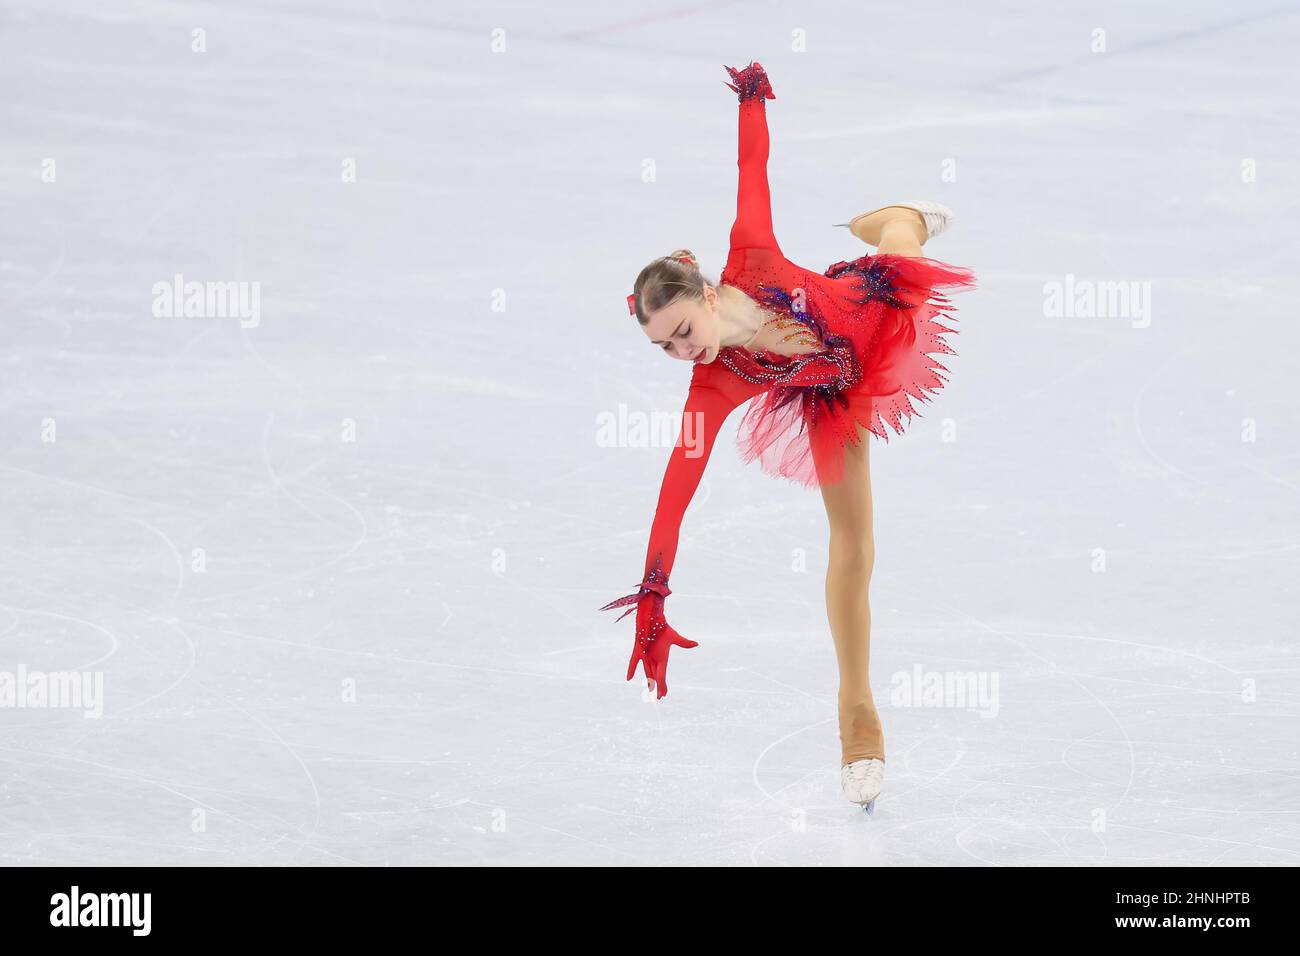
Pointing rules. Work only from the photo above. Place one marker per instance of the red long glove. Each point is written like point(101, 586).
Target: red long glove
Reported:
point(655, 637)
point(712, 397)
point(753, 226)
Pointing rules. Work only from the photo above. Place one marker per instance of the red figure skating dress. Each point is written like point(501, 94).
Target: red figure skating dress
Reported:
point(876, 319)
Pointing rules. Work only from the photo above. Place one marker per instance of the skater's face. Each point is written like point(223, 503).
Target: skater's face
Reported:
point(687, 329)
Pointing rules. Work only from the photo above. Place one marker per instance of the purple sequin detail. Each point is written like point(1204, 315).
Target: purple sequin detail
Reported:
point(779, 300)
point(750, 83)
point(872, 278)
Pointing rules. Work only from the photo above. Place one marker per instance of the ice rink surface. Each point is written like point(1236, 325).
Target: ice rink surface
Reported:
point(338, 562)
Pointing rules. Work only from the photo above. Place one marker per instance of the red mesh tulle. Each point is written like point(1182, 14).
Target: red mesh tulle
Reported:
point(800, 433)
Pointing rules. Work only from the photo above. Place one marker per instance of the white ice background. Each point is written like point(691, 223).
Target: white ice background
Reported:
point(392, 653)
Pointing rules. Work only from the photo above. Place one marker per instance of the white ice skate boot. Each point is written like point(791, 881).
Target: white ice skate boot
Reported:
point(937, 216)
point(862, 781)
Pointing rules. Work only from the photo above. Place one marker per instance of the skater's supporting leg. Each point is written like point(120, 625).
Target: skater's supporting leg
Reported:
point(848, 606)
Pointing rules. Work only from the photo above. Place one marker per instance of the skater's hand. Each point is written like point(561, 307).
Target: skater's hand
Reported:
point(655, 637)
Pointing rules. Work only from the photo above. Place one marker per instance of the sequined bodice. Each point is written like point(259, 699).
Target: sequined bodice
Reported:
point(831, 319)
point(835, 366)
point(784, 336)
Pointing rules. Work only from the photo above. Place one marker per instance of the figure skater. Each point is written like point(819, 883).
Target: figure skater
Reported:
point(828, 357)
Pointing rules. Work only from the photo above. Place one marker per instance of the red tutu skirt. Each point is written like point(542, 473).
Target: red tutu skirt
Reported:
point(887, 316)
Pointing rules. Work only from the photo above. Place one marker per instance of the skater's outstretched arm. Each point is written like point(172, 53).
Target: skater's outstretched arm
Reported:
point(753, 226)
point(711, 398)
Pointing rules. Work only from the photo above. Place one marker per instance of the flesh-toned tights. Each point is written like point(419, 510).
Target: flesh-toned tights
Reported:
point(853, 552)
point(848, 605)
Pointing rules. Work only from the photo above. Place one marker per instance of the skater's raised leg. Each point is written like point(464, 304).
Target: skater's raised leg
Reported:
point(894, 229)
point(899, 237)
